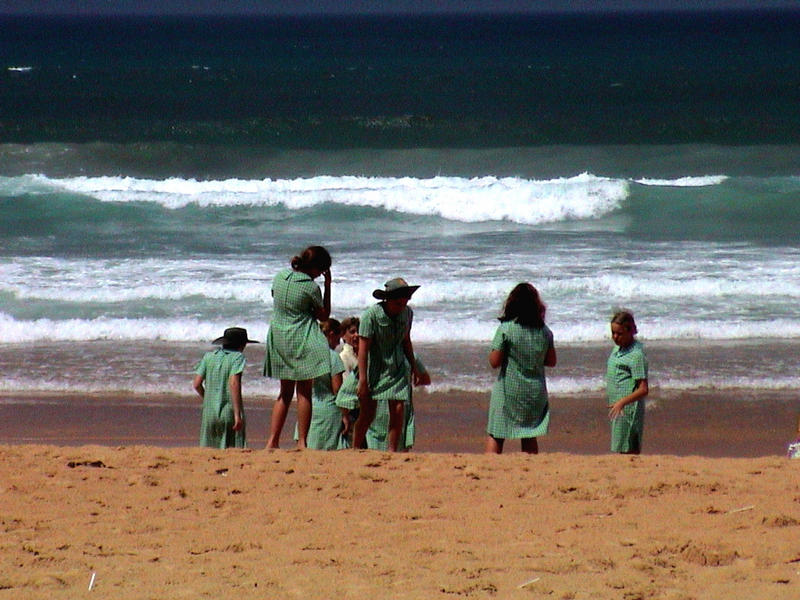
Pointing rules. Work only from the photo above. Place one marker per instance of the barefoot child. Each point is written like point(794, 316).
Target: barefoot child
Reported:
point(218, 381)
point(386, 365)
point(297, 352)
point(626, 385)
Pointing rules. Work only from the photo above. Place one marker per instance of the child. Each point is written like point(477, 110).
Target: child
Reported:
point(297, 352)
point(521, 348)
point(328, 424)
point(626, 385)
point(379, 429)
point(349, 350)
point(385, 355)
point(218, 381)
point(793, 449)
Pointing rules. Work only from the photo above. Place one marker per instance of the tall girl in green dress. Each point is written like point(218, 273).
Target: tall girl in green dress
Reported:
point(297, 351)
point(626, 385)
point(386, 365)
point(521, 348)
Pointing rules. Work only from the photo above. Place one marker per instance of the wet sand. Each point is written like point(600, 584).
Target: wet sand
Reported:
point(733, 424)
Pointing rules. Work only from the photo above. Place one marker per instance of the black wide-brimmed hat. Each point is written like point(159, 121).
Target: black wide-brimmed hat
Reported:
point(234, 336)
point(395, 288)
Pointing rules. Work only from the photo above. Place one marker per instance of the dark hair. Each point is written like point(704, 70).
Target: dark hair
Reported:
point(329, 325)
point(348, 322)
point(624, 317)
point(524, 306)
point(313, 257)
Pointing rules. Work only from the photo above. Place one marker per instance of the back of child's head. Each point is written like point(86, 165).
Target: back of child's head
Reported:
point(313, 257)
point(330, 326)
point(349, 322)
point(524, 306)
point(625, 318)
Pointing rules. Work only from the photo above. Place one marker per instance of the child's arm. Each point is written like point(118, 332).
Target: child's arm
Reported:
point(336, 382)
point(496, 358)
point(197, 384)
point(408, 350)
point(235, 384)
point(639, 391)
point(324, 312)
point(363, 392)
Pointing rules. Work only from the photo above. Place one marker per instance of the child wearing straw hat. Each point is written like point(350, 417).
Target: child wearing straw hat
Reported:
point(218, 381)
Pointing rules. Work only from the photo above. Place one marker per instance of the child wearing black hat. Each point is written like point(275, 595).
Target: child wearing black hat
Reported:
point(218, 381)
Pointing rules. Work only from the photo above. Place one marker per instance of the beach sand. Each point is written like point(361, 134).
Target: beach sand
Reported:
point(712, 510)
point(147, 522)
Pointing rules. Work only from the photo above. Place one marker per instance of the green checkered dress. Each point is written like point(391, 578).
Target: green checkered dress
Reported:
point(216, 422)
point(378, 431)
point(325, 432)
point(296, 348)
point(518, 408)
point(388, 370)
point(625, 367)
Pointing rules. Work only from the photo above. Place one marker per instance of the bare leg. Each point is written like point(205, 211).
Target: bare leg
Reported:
point(366, 414)
point(396, 413)
point(494, 445)
point(303, 411)
point(530, 445)
point(279, 412)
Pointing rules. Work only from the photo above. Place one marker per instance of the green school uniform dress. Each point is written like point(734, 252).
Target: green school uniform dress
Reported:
point(296, 347)
point(387, 368)
point(378, 431)
point(625, 367)
point(216, 423)
point(518, 408)
point(325, 431)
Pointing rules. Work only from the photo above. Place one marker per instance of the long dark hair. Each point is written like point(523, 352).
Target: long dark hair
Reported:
point(313, 257)
point(524, 306)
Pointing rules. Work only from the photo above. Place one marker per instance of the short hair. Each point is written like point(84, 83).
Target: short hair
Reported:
point(624, 317)
point(330, 326)
point(348, 322)
point(313, 257)
point(524, 306)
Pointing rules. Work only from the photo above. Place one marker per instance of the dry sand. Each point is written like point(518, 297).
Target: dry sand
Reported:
point(151, 522)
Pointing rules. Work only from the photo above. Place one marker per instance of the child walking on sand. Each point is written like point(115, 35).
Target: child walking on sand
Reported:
point(297, 352)
point(626, 385)
point(386, 365)
point(218, 381)
point(328, 425)
point(521, 348)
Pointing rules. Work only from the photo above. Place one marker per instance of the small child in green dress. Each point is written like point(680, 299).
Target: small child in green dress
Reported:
point(521, 348)
point(218, 381)
point(626, 385)
point(329, 423)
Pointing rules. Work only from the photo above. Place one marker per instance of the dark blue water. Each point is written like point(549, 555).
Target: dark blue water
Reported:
point(724, 78)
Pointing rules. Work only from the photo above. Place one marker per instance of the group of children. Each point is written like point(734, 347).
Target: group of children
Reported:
point(361, 396)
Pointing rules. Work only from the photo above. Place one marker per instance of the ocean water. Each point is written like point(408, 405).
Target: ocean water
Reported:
point(156, 174)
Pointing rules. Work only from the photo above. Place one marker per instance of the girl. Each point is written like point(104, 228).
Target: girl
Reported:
point(328, 426)
point(386, 365)
point(297, 351)
point(521, 348)
point(626, 385)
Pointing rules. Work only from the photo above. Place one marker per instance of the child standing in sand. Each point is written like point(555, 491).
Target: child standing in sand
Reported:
point(218, 381)
point(521, 348)
point(328, 425)
point(297, 352)
point(386, 365)
point(626, 385)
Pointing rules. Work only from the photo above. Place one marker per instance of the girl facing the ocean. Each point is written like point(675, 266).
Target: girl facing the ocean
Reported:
point(297, 350)
point(521, 348)
point(626, 385)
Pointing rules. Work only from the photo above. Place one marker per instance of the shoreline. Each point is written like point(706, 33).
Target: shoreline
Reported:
point(709, 423)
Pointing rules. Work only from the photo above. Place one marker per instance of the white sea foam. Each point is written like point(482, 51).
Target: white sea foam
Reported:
point(702, 181)
point(456, 198)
